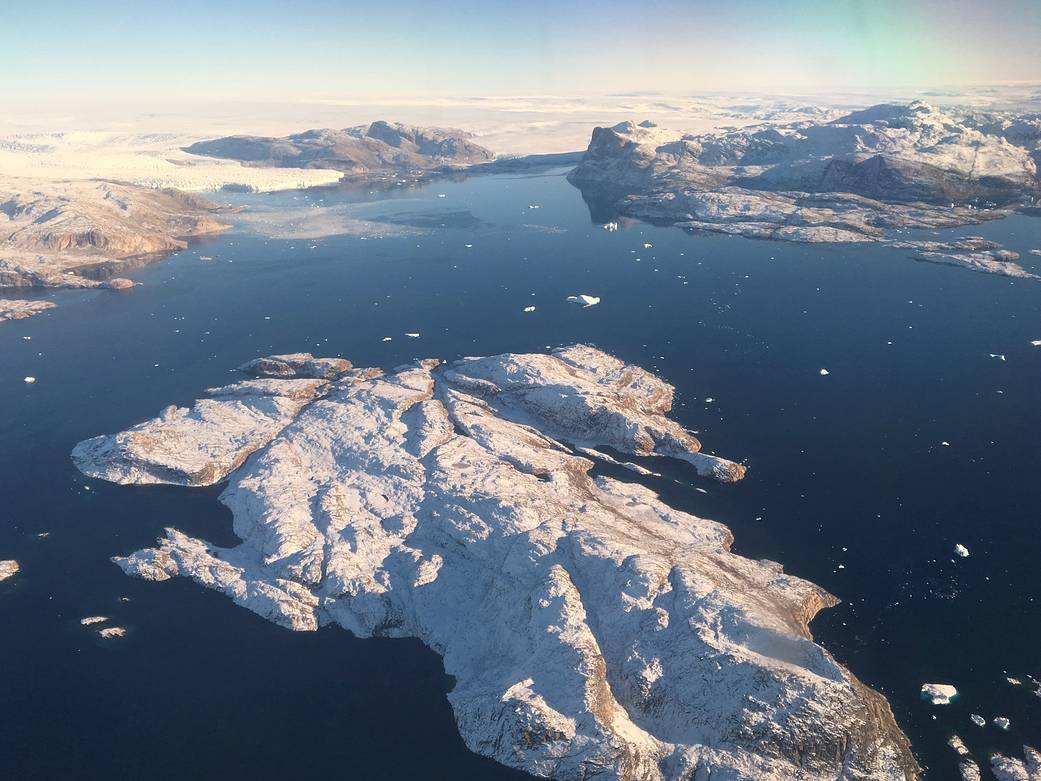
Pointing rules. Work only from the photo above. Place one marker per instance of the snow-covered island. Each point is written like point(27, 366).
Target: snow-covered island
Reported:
point(864, 176)
point(592, 630)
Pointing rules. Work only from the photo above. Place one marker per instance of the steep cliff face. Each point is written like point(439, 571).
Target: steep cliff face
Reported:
point(380, 147)
point(592, 630)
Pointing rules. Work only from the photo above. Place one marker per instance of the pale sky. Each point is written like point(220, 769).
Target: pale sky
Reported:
point(54, 50)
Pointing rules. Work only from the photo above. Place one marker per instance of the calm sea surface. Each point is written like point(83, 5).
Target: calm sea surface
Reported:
point(848, 486)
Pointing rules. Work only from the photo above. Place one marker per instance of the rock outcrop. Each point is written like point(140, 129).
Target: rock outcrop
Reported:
point(855, 178)
point(592, 630)
point(82, 234)
point(378, 148)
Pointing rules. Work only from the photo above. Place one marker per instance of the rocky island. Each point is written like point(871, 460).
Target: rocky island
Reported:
point(365, 150)
point(19, 309)
point(864, 176)
point(591, 629)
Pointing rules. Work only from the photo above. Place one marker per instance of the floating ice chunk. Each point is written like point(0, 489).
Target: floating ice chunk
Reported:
point(709, 400)
point(1035, 343)
point(468, 246)
point(412, 336)
point(534, 206)
point(388, 338)
point(441, 195)
point(110, 632)
point(945, 443)
point(999, 356)
point(93, 620)
point(29, 380)
point(647, 245)
point(939, 693)
point(1013, 681)
point(205, 257)
point(1002, 723)
point(961, 550)
point(584, 299)
point(529, 309)
point(8, 569)
point(824, 372)
point(1035, 252)
point(978, 720)
point(611, 226)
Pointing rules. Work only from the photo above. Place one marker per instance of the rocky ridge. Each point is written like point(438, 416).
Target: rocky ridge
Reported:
point(380, 147)
point(592, 630)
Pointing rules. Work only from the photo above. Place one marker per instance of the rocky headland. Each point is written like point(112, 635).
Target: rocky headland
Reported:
point(591, 629)
point(865, 176)
point(83, 234)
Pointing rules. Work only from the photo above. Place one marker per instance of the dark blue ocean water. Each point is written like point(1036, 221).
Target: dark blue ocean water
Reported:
point(844, 470)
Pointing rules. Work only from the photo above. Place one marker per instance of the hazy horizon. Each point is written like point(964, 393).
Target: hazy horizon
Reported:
point(250, 52)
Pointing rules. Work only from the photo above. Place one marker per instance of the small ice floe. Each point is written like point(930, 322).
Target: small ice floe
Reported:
point(1013, 681)
point(978, 720)
point(388, 338)
point(1002, 723)
point(1035, 252)
point(529, 309)
point(1035, 343)
point(709, 400)
point(205, 257)
point(441, 195)
point(468, 246)
point(824, 372)
point(939, 693)
point(647, 245)
point(961, 550)
point(611, 226)
point(534, 206)
point(89, 620)
point(412, 336)
point(945, 443)
point(111, 632)
point(29, 380)
point(999, 356)
point(584, 299)
point(8, 569)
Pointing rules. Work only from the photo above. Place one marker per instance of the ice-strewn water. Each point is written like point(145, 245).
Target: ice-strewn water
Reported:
point(849, 483)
